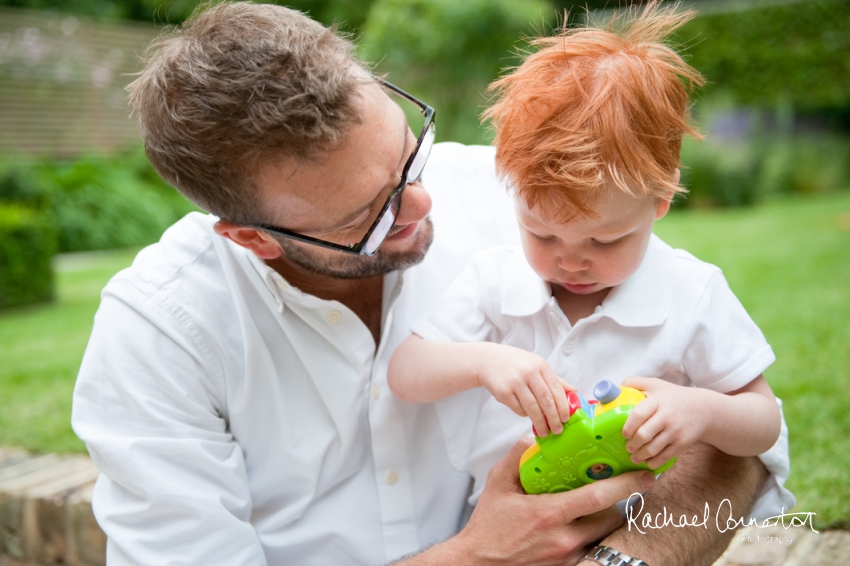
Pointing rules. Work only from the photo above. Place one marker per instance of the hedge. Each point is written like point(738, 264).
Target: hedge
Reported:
point(98, 201)
point(27, 244)
point(795, 54)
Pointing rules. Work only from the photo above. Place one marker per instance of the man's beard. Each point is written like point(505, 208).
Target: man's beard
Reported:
point(349, 266)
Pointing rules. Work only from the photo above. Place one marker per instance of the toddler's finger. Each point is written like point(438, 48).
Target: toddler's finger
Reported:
point(559, 394)
point(512, 403)
point(547, 403)
point(641, 383)
point(663, 457)
point(532, 409)
point(653, 448)
point(633, 423)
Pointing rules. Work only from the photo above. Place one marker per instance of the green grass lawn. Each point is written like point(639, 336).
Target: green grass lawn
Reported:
point(788, 261)
point(42, 347)
point(789, 264)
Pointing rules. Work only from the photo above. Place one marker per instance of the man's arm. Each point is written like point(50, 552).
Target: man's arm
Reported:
point(702, 474)
point(173, 479)
point(509, 526)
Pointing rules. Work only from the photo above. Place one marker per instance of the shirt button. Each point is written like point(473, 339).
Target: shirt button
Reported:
point(334, 317)
point(376, 392)
point(392, 478)
point(568, 347)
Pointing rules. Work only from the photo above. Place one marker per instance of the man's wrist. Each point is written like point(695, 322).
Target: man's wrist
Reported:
point(607, 556)
point(452, 551)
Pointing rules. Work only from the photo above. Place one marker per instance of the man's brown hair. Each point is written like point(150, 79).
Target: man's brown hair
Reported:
point(240, 84)
point(595, 107)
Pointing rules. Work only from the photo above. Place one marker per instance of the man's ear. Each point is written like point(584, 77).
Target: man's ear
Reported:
point(263, 245)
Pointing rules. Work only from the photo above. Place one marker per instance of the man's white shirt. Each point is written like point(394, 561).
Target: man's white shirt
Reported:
point(237, 420)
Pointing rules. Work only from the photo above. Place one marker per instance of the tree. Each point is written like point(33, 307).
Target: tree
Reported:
point(447, 52)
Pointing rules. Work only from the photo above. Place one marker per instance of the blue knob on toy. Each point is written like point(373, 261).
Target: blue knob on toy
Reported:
point(606, 391)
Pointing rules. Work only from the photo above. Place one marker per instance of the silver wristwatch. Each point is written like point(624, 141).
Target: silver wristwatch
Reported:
point(607, 556)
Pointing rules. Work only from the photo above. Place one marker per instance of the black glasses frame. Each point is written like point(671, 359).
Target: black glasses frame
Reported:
point(360, 247)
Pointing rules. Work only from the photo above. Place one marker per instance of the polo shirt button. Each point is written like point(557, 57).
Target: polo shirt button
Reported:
point(568, 347)
point(334, 317)
point(376, 392)
point(392, 478)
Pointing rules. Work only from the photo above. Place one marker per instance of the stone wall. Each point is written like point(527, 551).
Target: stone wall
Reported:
point(45, 511)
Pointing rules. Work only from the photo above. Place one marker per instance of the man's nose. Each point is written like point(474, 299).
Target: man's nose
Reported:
point(415, 204)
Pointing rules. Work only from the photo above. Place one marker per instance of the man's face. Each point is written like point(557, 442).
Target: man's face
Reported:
point(338, 198)
point(590, 254)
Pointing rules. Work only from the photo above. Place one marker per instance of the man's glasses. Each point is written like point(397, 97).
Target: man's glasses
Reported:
point(412, 172)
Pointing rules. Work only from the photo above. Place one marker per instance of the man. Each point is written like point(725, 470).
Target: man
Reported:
point(234, 389)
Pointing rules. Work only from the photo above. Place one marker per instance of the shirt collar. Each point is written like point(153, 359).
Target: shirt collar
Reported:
point(280, 287)
point(644, 299)
point(523, 291)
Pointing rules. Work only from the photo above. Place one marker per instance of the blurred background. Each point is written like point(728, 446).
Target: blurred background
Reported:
point(768, 202)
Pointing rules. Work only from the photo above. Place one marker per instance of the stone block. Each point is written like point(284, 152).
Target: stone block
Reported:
point(832, 548)
point(86, 541)
point(45, 511)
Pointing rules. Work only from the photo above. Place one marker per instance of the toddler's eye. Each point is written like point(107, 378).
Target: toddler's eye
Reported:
point(605, 244)
point(544, 238)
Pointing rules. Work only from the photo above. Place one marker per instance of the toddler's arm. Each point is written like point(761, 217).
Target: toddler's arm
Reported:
point(422, 371)
point(745, 422)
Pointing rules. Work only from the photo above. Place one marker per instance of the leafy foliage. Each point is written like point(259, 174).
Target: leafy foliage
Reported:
point(447, 52)
point(350, 15)
point(97, 202)
point(27, 245)
point(797, 54)
point(763, 160)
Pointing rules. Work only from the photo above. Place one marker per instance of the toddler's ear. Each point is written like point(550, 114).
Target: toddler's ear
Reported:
point(677, 176)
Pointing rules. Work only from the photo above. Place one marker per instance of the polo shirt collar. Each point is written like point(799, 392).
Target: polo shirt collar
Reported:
point(644, 299)
point(523, 292)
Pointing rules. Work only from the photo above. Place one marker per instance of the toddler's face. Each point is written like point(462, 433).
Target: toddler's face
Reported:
point(589, 254)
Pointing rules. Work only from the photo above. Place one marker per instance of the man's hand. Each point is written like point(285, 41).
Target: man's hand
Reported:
point(513, 528)
point(702, 476)
point(527, 384)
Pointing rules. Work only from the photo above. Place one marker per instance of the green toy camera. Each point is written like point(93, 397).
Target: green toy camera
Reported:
point(591, 446)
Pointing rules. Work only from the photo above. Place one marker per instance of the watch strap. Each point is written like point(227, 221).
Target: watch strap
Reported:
point(607, 556)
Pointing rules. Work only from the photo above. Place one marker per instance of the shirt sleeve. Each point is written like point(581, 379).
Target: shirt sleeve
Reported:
point(173, 479)
point(774, 498)
point(725, 349)
point(463, 313)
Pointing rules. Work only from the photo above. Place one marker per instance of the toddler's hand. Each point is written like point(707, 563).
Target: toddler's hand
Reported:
point(669, 420)
point(528, 386)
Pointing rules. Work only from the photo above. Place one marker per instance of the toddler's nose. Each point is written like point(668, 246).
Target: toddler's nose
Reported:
point(573, 262)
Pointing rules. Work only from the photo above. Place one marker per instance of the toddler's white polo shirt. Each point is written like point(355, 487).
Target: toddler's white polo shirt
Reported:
point(675, 319)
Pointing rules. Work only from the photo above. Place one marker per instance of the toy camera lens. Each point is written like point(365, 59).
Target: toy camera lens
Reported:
point(600, 471)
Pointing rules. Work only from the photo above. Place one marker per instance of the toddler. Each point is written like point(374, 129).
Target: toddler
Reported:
point(588, 134)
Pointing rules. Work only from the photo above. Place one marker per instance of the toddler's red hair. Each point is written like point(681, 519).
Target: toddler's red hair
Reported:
point(594, 106)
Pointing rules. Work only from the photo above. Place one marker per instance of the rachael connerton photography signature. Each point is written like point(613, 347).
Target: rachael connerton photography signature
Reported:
point(722, 521)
